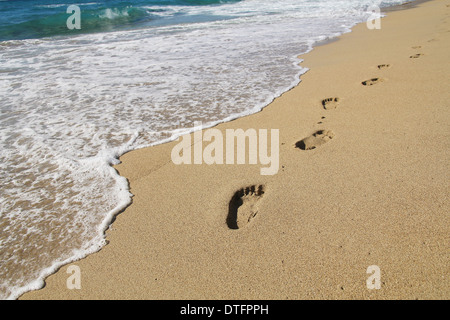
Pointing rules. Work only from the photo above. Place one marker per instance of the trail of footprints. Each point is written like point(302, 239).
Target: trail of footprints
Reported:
point(243, 206)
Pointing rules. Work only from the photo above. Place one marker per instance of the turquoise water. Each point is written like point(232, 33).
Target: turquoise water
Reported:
point(37, 19)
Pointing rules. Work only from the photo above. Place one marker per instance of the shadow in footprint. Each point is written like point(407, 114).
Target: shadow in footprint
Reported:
point(415, 56)
point(384, 66)
point(315, 140)
point(243, 206)
point(371, 82)
point(330, 103)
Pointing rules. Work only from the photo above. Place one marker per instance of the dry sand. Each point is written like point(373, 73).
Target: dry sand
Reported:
point(375, 193)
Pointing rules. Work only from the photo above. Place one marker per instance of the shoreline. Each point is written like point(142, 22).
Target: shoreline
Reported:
point(407, 5)
point(204, 225)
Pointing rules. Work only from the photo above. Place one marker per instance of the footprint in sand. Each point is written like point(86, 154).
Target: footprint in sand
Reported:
point(415, 56)
point(384, 66)
point(330, 103)
point(417, 47)
point(315, 140)
point(243, 206)
point(371, 82)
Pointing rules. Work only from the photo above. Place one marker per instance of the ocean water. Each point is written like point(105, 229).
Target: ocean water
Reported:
point(137, 73)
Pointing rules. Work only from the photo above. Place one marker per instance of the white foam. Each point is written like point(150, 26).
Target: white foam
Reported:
point(113, 13)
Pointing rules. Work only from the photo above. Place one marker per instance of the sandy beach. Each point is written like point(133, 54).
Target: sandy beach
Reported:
point(363, 180)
